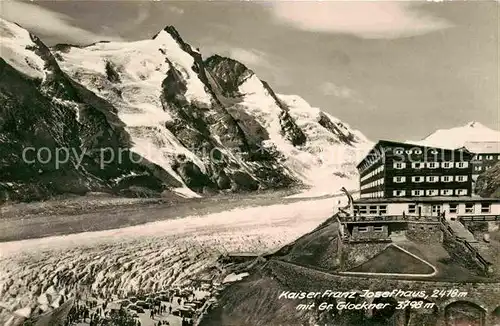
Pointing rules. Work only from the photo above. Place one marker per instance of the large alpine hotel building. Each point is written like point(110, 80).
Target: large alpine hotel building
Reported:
point(404, 170)
point(401, 178)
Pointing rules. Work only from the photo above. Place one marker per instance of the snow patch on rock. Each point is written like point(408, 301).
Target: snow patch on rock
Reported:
point(16, 48)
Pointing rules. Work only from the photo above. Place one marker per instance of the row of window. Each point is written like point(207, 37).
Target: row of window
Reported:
point(372, 209)
point(371, 162)
point(486, 157)
point(374, 183)
point(432, 178)
point(376, 194)
point(453, 208)
point(480, 168)
point(374, 229)
point(412, 209)
point(431, 165)
point(372, 173)
point(430, 192)
point(418, 151)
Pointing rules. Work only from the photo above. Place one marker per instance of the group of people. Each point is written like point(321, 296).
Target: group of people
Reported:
point(83, 311)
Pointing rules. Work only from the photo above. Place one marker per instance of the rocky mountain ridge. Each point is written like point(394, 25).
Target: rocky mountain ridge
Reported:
point(147, 117)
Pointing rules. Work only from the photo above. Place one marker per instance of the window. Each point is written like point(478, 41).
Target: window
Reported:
point(398, 151)
point(479, 158)
point(398, 193)
point(382, 209)
point(447, 165)
point(362, 229)
point(417, 179)
point(485, 208)
point(399, 179)
point(446, 192)
point(478, 168)
point(378, 228)
point(447, 178)
point(417, 192)
point(432, 165)
point(433, 151)
point(417, 165)
point(399, 165)
point(412, 208)
point(409, 151)
point(461, 192)
point(469, 208)
point(418, 151)
point(453, 208)
point(432, 179)
point(431, 192)
point(462, 165)
point(362, 210)
point(461, 178)
point(489, 157)
point(373, 210)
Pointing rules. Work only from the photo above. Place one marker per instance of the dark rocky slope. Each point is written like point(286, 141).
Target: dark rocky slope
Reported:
point(488, 183)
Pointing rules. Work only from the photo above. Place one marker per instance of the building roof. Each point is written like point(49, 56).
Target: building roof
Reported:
point(438, 199)
point(390, 143)
point(483, 147)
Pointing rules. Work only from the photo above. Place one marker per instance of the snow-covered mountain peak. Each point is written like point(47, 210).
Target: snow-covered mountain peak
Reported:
point(17, 49)
point(457, 137)
point(475, 124)
point(200, 125)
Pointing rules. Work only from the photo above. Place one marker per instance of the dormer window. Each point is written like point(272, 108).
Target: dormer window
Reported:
point(418, 151)
point(398, 151)
point(433, 151)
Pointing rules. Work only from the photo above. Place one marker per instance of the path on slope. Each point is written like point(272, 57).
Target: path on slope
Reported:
point(462, 232)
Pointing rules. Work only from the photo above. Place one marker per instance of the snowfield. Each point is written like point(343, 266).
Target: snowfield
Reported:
point(457, 137)
point(150, 256)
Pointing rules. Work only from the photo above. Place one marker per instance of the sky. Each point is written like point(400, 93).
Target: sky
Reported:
point(392, 69)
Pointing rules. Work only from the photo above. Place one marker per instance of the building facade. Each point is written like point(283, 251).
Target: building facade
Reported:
point(453, 207)
point(395, 170)
point(486, 155)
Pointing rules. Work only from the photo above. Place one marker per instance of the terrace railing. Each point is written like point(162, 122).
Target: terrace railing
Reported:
point(390, 218)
